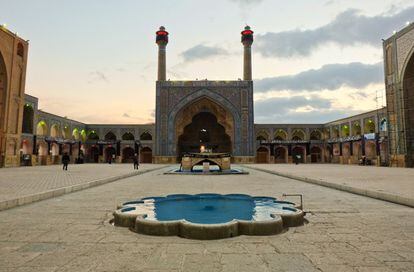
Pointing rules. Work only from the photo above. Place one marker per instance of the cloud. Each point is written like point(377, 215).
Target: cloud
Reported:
point(200, 52)
point(98, 76)
point(126, 115)
point(349, 28)
point(298, 109)
point(328, 77)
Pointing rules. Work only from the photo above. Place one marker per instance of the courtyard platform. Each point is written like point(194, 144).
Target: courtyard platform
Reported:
point(385, 183)
point(346, 232)
point(23, 185)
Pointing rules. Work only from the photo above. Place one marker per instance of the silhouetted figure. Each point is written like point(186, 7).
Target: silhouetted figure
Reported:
point(65, 161)
point(297, 159)
point(136, 162)
point(363, 160)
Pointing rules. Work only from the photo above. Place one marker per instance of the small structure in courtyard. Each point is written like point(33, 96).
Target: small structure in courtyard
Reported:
point(208, 216)
point(190, 160)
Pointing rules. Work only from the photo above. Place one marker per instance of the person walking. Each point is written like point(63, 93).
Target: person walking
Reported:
point(65, 161)
point(136, 163)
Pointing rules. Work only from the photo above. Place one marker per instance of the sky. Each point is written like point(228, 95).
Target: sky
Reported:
point(314, 61)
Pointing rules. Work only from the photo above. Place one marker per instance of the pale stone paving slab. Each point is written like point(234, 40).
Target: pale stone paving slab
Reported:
point(346, 232)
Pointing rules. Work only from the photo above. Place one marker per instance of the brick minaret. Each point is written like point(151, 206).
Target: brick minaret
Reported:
point(162, 41)
point(247, 40)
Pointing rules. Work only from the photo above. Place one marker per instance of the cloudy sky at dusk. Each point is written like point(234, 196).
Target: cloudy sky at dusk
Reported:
point(313, 60)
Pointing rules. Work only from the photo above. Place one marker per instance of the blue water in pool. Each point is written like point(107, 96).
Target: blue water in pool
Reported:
point(212, 208)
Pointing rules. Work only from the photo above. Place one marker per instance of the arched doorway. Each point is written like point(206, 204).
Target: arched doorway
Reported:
point(408, 94)
point(357, 150)
point(298, 154)
point(262, 155)
point(206, 121)
point(204, 130)
point(94, 154)
point(280, 154)
point(146, 155)
point(128, 155)
point(316, 154)
point(42, 152)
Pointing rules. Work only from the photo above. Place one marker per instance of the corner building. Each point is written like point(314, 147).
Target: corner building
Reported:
point(13, 63)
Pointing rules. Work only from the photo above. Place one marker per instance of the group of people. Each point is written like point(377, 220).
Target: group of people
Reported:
point(66, 160)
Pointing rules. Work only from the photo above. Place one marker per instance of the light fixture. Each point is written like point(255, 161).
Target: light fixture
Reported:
point(395, 31)
point(407, 23)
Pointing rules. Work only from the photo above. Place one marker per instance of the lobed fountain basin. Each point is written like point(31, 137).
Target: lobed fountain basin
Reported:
point(208, 216)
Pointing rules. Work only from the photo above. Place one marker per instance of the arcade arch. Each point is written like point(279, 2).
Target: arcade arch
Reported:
point(66, 132)
point(75, 134)
point(146, 136)
point(262, 135)
point(41, 128)
point(345, 130)
point(280, 135)
point(28, 115)
point(335, 132)
point(93, 135)
point(298, 135)
point(54, 131)
point(128, 136)
point(110, 136)
point(369, 126)
point(316, 135)
point(83, 135)
point(356, 128)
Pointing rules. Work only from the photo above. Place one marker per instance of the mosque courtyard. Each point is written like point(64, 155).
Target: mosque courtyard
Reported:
point(72, 232)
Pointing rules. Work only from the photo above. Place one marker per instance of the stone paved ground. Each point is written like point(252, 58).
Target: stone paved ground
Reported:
point(397, 181)
point(17, 182)
point(346, 232)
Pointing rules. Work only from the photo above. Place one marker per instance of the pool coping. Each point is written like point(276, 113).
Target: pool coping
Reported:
point(393, 198)
point(28, 199)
